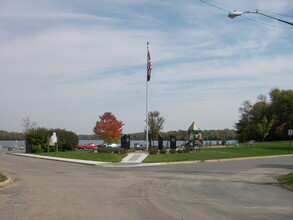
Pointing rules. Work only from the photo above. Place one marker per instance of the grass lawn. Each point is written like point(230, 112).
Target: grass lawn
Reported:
point(287, 179)
point(87, 155)
point(2, 177)
point(258, 149)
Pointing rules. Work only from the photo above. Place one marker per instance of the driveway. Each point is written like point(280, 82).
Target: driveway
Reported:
point(244, 189)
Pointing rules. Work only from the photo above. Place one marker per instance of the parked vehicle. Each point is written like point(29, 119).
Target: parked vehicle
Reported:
point(110, 145)
point(87, 146)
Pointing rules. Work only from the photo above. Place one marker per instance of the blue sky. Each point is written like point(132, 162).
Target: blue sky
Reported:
point(64, 63)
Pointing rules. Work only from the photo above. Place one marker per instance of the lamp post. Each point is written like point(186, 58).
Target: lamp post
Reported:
point(235, 14)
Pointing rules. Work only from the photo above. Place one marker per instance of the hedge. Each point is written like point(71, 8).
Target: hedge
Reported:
point(36, 140)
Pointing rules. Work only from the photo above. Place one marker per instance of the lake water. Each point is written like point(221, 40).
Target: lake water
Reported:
point(133, 143)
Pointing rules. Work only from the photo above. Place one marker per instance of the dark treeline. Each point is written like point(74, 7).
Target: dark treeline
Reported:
point(88, 137)
point(5, 136)
point(266, 120)
point(227, 134)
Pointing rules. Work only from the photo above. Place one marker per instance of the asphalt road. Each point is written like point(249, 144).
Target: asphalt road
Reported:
point(244, 189)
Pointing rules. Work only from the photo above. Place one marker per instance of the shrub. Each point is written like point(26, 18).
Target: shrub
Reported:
point(140, 148)
point(112, 150)
point(107, 150)
point(172, 151)
point(67, 140)
point(37, 140)
point(163, 151)
point(187, 150)
point(180, 151)
point(37, 148)
point(36, 137)
point(153, 150)
point(122, 151)
point(116, 151)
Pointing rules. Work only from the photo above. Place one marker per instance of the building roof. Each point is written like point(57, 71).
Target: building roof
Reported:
point(193, 127)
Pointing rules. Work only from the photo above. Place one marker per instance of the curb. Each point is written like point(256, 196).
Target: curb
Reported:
point(221, 160)
point(123, 165)
point(86, 162)
point(9, 180)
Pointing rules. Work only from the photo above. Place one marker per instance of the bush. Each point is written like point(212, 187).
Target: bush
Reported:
point(153, 150)
point(122, 151)
point(163, 151)
point(37, 140)
point(37, 148)
point(187, 150)
point(119, 151)
point(107, 150)
point(67, 140)
point(37, 137)
point(112, 150)
point(172, 151)
point(140, 148)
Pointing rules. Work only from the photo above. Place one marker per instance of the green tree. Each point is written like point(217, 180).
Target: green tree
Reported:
point(282, 108)
point(258, 111)
point(252, 126)
point(244, 128)
point(264, 127)
point(155, 123)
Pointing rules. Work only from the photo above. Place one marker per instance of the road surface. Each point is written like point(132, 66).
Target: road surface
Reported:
point(244, 189)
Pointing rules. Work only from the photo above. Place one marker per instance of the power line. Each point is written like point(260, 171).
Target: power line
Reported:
point(260, 22)
point(214, 6)
point(277, 13)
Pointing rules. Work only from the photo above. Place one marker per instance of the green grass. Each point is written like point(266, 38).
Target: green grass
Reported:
point(2, 177)
point(287, 179)
point(87, 155)
point(258, 149)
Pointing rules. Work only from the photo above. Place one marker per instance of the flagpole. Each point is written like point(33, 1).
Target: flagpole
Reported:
point(147, 97)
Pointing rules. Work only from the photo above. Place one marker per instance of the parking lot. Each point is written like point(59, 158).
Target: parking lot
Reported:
point(245, 189)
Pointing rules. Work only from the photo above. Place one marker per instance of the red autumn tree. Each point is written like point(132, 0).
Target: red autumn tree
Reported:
point(108, 128)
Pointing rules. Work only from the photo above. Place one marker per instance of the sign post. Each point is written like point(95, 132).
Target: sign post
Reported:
point(48, 144)
point(290, 133)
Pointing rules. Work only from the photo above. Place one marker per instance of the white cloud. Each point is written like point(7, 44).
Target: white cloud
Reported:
point(63, 64)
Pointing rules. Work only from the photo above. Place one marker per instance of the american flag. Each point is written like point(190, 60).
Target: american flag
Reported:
point(149, 67)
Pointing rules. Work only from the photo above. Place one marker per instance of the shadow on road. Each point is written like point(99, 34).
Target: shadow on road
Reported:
point(282, 166)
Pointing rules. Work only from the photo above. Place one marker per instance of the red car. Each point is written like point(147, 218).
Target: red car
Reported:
point(87, 146)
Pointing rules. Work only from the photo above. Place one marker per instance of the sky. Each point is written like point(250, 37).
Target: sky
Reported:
point(65, 63)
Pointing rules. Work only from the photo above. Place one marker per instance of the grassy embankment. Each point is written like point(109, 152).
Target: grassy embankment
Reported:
point(2, 177)
point(87, 155)
point(257, 149)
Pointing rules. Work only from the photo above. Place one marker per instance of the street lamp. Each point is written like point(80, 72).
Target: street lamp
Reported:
point(234, 14)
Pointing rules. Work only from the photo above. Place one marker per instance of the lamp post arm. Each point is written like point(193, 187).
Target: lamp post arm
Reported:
point(256, 12)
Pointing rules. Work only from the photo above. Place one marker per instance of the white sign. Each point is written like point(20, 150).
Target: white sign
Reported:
point(54, 138)
point(290, 132)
